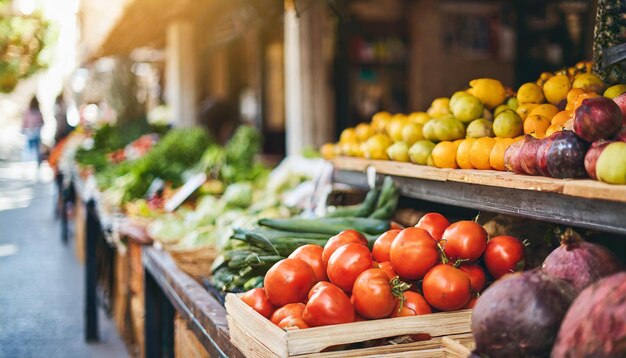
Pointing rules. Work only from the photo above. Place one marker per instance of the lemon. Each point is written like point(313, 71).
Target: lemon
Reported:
point(419, 117)
point(348, 135)
point(394, 129)
point(500, 108)
point(420, 151)
point(491, 92)
point(614, 91)
point(428, 130)
point(556, 88)
point(479, 128)
point(376, 146)
point(530, 93)
point(398, 151)
point(449, 129)
point(328, 151)
point(430, 162)
point(508, 124)
point(512, 103)
point(466, 107)
point(545, 110)
point(439, 108)
point(589, 82)
point(364, 131)
point(379, 121)
point(456, 96)
point(411, 133)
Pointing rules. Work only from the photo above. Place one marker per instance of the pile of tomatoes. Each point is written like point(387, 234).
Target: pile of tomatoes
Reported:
point(434, 265)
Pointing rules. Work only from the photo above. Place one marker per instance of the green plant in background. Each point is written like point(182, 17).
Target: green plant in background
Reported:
point(607, 33)
point(23, 41)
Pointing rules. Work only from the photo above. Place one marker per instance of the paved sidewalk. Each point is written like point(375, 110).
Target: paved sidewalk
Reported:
point(41, 283)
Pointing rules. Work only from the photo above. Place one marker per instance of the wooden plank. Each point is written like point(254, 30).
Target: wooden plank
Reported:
point(588, 189)
point(186, 345)
point(458, 348)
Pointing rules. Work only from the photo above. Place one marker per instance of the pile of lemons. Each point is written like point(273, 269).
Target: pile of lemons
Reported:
point(473, 128)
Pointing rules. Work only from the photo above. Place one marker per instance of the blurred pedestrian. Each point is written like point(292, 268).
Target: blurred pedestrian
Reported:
point(60, 114)
point(31, 127)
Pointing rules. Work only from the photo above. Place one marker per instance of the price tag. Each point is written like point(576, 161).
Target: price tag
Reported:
point(371, 177)
point(156, 185)
point(185, 191)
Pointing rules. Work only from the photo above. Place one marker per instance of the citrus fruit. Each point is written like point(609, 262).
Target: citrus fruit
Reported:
point(546, 110)
point(411, 133)
point(419, 117)
point(536, 125)
point(500, 108)
point(428, 130)
point(615, 91)
point(395, 127)
point(480, 151)
point(379, 121)
point(348, 135)
point(491, 92)
point(562, 117)
point(430, 162)
point(398, 151)
point(573, 93)
point(524, 110)
point(439, 108)
point(420, 151)
point(449, 129)
point(530, 93)
point(444, 155)
point(508, 124)
point(512, 103)
point(328, 151)
point(466, 107)
point(496, 157)
point(479, 128)
point(376, 146)
point(579, 100)
point(456, 96)
point(589, 82)
point(555, 89)
point(553, 128)
point(364, 131)
point(463, 154)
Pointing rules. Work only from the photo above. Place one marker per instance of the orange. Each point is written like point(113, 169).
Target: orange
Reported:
point(348, 135)
point(463, 153)
point(524, 110)
point(573, 93)
point(379, 121)
point(536, 125)
point(518, 138)
point(553, 128)
point(328, 151)
point(562, 117)
point(480, 152)
point(546, 110)
point(458, 142)
point(444, 155)
point(579, 100)
point(496, 158)
point(364, 131)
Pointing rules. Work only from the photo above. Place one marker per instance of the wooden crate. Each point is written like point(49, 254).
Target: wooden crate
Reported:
point(256, 336)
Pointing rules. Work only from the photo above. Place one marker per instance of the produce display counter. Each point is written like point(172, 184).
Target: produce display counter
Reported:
point(169, 289)
point(584, 203)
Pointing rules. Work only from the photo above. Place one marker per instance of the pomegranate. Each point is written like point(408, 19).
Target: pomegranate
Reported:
point(566, 156)
point(512, 161)
point(621, 103)
point(597, 118)
point(528, 155)
point(579, 262)
point(595, 324)
point(591, 158)
point(542, 153)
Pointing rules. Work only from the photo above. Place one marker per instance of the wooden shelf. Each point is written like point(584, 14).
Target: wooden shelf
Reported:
point(584, 203)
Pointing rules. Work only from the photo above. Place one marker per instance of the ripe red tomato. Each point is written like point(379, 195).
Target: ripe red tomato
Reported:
point(413, 252)
point(446, 288)
point(388, 268)
point(347, 263)
point(292, 309)
point(343, 238)
point(464, 240)
point(372, 296)
point(476, 275)
point(380, 251)
point(288, 281)
point(414, 305)
point(292, 322)
point(257, 299)
point(471, 303)
point(504, 254)
point(312, 255)
point(434, 223)
point(327, 304)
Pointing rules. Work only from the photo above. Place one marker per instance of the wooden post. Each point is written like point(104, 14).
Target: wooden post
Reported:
point(308, 108)
point(181, 72)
